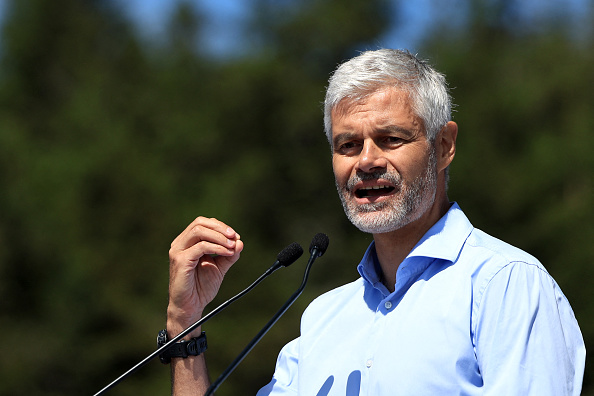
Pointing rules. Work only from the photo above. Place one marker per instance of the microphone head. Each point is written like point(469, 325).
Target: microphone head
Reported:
point(290, 254)
point(320, 243)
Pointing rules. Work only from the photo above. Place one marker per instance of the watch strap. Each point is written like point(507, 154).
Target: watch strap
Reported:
point(181, 349)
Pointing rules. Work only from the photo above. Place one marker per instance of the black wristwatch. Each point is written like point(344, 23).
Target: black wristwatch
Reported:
point(182, 349)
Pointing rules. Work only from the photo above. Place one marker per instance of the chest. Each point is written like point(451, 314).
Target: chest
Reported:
point(416, 343)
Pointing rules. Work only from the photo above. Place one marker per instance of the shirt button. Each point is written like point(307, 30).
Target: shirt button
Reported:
point(388, 304)
point(369, 363)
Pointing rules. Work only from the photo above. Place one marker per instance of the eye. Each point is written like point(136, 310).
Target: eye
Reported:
point(393, 141)
point(348, 147)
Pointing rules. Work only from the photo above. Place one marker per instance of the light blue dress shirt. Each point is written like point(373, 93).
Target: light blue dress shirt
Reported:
point(471, 315)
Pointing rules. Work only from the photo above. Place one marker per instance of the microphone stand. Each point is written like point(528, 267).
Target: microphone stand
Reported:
point(286, 257)
point(215, 385)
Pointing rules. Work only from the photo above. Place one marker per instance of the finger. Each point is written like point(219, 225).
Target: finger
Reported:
point(203, 229)
point(189, 257)
point(211, 223)
point(216, 225)
point(190, 291)
point(225, 262)
point(202, 250)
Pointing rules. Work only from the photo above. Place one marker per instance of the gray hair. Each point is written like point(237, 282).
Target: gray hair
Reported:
point(373, 70)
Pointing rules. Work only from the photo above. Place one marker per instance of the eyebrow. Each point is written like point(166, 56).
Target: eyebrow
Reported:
point(394, 128)
point(343, 137)
point(346, 136)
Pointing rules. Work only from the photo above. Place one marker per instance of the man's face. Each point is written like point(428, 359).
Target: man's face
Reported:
point(385, 168)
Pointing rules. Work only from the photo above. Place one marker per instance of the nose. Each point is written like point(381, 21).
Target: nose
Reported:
point(371, 157)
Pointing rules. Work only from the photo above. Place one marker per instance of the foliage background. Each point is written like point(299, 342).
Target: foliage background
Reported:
point(110, 144)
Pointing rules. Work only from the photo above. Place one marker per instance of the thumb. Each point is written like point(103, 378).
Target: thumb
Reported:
point(224, 263)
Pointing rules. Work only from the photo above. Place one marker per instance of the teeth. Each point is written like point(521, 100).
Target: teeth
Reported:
point(374, 187)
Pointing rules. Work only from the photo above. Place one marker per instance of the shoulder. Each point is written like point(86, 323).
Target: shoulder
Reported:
point(488, 257)
point(489, 247)
point(504, 275)
point(497, 265)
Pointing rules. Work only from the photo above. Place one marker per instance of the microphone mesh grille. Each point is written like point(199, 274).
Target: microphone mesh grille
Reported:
point(290, 254)
point(319, 241)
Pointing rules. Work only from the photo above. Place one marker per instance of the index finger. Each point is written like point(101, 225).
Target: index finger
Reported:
point(206, 229)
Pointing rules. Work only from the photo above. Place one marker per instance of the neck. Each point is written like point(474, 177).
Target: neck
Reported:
point(393, 247)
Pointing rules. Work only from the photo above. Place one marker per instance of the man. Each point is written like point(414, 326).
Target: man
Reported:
point(441, 308)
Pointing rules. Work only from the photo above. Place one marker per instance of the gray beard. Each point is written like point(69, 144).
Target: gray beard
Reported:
point(406, 206)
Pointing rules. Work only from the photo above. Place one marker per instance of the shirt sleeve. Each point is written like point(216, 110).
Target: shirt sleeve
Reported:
point(284, 381)
point(527, 339)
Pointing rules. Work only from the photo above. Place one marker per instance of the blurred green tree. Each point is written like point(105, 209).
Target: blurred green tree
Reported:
point(82, 197)
point(110, 146)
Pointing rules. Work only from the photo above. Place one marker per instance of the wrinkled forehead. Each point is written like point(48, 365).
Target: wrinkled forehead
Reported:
point(387, 101)
point(388, 94)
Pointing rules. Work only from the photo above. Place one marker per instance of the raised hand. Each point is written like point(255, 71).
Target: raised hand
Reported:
point(199, 258)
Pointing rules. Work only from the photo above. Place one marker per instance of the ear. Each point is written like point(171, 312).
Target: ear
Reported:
point(445, 145)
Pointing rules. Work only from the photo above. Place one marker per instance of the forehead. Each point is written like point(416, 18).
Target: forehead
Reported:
point(382, 108)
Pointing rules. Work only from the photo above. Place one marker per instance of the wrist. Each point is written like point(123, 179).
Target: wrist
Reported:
point(180, 349)
point(179, 320)
point(173, 331)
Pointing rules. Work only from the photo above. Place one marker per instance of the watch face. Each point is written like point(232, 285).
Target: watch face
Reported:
point(162, 338)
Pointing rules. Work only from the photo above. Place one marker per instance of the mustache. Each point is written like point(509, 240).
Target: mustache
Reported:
point(391, 177)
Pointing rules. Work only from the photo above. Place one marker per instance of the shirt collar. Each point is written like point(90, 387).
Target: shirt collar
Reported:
point(443, 241)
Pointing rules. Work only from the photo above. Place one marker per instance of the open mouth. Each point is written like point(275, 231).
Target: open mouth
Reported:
point(373, 191)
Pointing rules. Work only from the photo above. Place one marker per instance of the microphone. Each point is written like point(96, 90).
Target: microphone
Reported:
point(286, 257)
point(317, 248)
point(318, 245)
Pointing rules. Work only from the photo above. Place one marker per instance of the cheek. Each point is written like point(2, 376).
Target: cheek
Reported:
point(342, 170)
point(411, 165)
